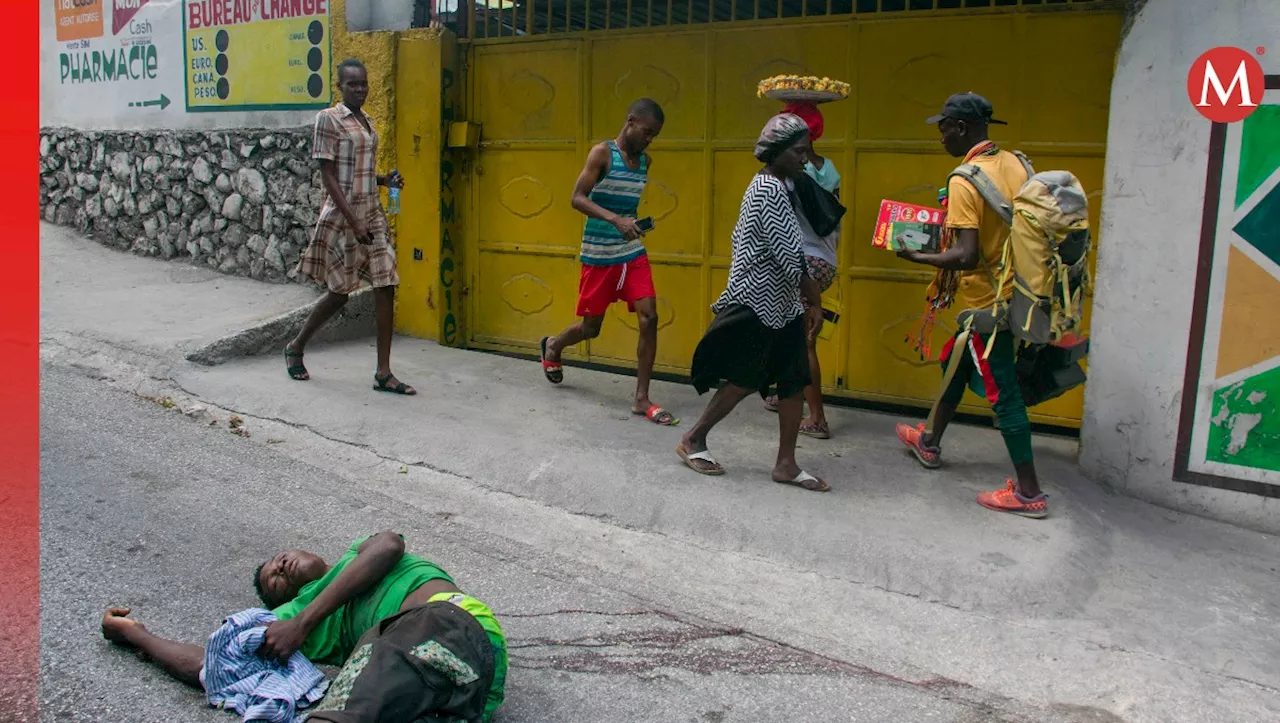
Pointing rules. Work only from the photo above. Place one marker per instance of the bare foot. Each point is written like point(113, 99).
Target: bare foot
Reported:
point(550, 352)
point(692, 445)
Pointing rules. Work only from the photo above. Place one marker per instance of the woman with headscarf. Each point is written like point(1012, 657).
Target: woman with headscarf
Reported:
point(757, 338)
point(820, 262)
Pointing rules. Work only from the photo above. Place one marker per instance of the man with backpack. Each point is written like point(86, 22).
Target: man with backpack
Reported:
point(975, 274)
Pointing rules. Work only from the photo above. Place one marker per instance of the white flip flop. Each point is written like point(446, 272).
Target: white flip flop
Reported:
point(801, 479)
point(705, 456)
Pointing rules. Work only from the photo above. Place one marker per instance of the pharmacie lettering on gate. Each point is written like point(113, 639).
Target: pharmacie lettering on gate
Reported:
point(212, 13)
point(132, 62)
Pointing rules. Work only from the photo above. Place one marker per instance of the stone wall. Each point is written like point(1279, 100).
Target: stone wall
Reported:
point(241, 201)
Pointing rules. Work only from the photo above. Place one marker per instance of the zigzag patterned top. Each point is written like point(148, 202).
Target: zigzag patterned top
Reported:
point(768, 255)
point(618, 191)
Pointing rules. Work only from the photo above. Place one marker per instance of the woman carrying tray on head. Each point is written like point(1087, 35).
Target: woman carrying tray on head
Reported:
point(819, 251)
point(757, 339)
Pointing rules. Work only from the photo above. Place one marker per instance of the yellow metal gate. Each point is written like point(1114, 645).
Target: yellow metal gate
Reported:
point(544, 100)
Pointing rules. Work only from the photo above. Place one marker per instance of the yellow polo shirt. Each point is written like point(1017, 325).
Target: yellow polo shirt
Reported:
point(967, 210)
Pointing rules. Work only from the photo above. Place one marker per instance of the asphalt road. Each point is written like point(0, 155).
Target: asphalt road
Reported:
point(144, 507)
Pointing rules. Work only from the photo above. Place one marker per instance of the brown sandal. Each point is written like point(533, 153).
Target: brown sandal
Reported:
point(700, 462)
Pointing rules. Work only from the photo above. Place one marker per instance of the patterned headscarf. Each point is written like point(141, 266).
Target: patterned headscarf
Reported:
point(780, 133)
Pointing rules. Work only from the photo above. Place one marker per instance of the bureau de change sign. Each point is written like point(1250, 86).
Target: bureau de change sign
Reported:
point(256, 54)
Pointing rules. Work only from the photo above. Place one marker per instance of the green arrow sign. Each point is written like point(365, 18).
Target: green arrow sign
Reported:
point(163, 102)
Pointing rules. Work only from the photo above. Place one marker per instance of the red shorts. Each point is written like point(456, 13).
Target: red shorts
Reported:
point(602, 285)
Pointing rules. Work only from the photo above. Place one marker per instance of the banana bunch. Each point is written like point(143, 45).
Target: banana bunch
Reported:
point(797, 82)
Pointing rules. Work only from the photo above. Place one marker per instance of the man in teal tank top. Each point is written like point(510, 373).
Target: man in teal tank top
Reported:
point(615, 266)
point(430, 649)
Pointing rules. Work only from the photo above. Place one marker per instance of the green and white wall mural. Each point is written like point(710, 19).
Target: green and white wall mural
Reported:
point(1233, 372)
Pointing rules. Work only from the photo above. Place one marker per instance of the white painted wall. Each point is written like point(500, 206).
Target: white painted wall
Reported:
point(1157, 150)
point(104, 104)
point(365, 15)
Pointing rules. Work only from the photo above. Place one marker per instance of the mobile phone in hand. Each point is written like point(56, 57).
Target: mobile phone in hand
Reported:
point(645, 224)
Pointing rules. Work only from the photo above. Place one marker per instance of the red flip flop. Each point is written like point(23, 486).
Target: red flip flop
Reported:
point(658, 415)
point(554, 371)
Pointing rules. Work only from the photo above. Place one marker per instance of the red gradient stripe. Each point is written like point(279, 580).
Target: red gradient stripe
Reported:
point(19, 363)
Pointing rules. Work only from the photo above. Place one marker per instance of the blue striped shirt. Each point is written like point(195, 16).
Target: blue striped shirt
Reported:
point(618, 192)
point(236, 678)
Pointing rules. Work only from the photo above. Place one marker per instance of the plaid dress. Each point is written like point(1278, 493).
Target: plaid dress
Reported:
point(334, 258)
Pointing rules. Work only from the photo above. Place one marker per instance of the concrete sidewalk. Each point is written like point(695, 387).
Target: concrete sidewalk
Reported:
point(160, 308)
point(1110, 606)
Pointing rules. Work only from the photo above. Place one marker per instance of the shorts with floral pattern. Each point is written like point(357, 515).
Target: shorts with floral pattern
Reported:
point(821, 272)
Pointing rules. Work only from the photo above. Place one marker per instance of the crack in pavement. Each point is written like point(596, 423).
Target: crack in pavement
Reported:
point(707, 649)
point(1180, 664)
point(419, 464)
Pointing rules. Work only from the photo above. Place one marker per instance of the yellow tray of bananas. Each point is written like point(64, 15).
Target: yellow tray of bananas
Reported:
point(802, 89)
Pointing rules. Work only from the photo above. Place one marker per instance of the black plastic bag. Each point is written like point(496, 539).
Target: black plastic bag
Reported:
point(821, 208)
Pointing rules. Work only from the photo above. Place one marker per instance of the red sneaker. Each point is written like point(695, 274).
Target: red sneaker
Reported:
point(912, 436)
point(1008, 500)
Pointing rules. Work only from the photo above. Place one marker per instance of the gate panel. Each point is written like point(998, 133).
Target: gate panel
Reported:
point(525, 258)
point(1068, 99)
point(542, 104)
point(745, 56)
point(886, 293)
point(526, 272)
point(672, 71)
point(905, 70)
point(528, 92)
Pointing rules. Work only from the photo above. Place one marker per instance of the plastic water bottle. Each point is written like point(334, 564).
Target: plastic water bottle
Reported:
point(393, 195)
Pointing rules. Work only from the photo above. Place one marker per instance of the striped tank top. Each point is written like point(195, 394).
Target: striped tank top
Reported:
point(619, 192)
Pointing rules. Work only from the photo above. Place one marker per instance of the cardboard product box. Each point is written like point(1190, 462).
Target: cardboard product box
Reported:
point(908, 226)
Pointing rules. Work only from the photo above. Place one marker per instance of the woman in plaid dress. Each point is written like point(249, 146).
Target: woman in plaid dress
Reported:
point(350, 244)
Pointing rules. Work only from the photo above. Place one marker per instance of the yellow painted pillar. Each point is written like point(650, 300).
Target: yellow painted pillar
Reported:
point(430, 298)
point(377, 50)
point(453, 200)
point(415, 92)
point(418, 142)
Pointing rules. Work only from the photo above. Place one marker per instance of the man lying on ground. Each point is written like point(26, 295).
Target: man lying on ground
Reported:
point(424, 643)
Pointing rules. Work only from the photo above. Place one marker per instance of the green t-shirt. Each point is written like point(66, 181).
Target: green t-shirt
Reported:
point(335, 637)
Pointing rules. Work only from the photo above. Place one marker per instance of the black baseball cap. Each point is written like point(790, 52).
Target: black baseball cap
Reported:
point(967, 107)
